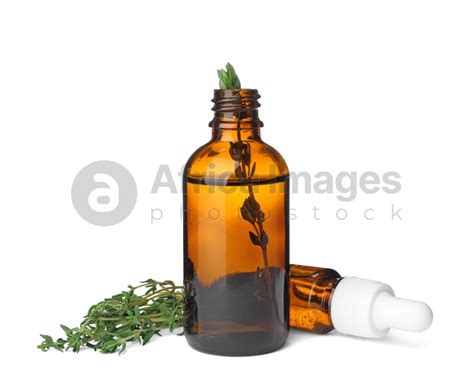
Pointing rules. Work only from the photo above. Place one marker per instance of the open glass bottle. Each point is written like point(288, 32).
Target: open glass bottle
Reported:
point(236, 235)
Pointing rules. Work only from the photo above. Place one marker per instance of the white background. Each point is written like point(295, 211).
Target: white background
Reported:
point(346, 86)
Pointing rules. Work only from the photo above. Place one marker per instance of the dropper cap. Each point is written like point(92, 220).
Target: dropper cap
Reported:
point(369, 308)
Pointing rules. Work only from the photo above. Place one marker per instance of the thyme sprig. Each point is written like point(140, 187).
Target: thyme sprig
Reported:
point(129, 316)
point(244, 170)
point(228, 79)
point(251, 210)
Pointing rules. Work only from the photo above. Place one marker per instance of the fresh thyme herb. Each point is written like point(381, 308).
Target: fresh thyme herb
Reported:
point(125, 317)
point(244, 170)
point(228, 79)
point(251, 210)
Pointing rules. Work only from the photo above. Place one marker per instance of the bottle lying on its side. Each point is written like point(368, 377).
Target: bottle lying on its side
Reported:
point(322, 300)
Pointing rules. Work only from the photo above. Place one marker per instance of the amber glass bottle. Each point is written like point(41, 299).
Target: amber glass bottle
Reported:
point(236, 235)
point(321, 300)
point(310, 295)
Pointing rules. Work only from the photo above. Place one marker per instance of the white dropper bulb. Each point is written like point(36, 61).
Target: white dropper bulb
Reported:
point(399, 313)
point(368, 308)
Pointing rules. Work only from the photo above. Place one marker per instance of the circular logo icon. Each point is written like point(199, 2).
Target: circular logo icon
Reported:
point(104, 193)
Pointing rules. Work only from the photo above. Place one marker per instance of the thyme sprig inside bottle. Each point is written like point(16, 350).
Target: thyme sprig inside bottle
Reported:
point(236, 232)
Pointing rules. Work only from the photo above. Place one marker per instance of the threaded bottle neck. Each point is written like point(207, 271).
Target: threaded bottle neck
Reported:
point(236, 109)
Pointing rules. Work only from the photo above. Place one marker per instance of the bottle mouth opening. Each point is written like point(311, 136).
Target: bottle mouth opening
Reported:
point(219, 92)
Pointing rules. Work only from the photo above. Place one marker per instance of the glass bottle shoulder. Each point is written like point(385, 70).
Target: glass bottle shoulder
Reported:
point(220, 159)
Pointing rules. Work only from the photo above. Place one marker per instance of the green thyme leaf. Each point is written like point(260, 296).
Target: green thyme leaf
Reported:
point(252, 172)
point(255, 239)
point(228, 79)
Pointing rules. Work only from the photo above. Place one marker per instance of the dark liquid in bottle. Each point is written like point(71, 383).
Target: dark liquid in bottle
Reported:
point(236, 284)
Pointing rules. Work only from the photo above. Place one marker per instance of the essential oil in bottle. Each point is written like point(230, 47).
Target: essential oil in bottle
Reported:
point(236, 235)
point(322, 300)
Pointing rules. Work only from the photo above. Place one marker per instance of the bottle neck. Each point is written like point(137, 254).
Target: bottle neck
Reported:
point(236, 115)
point(236, 135)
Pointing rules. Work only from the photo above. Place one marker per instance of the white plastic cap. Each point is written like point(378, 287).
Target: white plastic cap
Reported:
point(368, 308)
